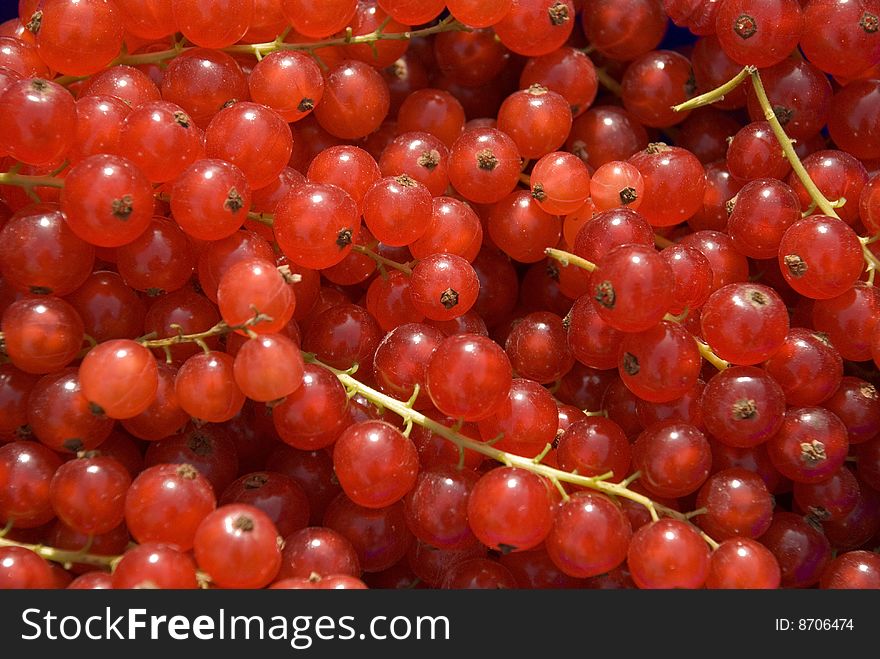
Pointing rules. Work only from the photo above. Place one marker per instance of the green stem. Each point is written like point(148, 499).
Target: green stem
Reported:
point(870, 258)
point(559, 487)
point(709, 541)
point(378, 258)
point(810, 209)
point(448, 24)
point(716, 94)
point(64, 556)
point(66, 80)
point(154, 57)
point(632, 478)
point(677, 318)
point(28, 182)
point(608, 82)
point(262, 218)
point(199, 337)
point(543, 454)
point(567, 258)
point(797, 166)
point(408, 414)
point(818, 198)
point(661, 241)
point(711, 357)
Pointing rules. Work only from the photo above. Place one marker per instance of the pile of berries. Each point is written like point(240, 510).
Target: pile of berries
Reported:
point(462, 294)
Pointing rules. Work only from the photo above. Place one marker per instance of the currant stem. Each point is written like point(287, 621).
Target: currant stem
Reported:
point(543, 454)
point(60, 169)
point(818, 199)
point(870, 258)
point(718, 93)
point(608, 82)
point(149, 58)
point(632, 478)
point(199, 337)
point(709, 541)
point(567, 258)
point(797, 166)
point(64, 556)
point(662, 241)
point(381, 260)
point(263, 218)
point(677, 318)
point(448, 24)
point(560, 488)
point(29, 182)
point(510, 459)
point(410, 417)
point(711, 357)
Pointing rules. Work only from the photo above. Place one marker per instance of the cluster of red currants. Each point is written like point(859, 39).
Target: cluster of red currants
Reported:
point(456, 293)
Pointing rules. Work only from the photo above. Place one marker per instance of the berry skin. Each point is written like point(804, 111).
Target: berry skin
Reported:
point(107, 200)
point(221, 259)
point(810, 446)
point(668, 554)
point(674, 459)
point(166, 503)
point(660, 364)
point(468, 376)
point(759, 33)
point(744, 323)
point(737, 503)
point(484, 165)
point(536, 27)
point(155, 565)
point(40, 116)
point(121, 377)
point(26, 469)
point(510, 510)
point(587, 553)
point(237, 545)
point(808, 249)
point(631, 288)
point(743, 406)
point(743, 563)
point(375, 463)
point(88, 493)
point(316, 224)
point(443, 286)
